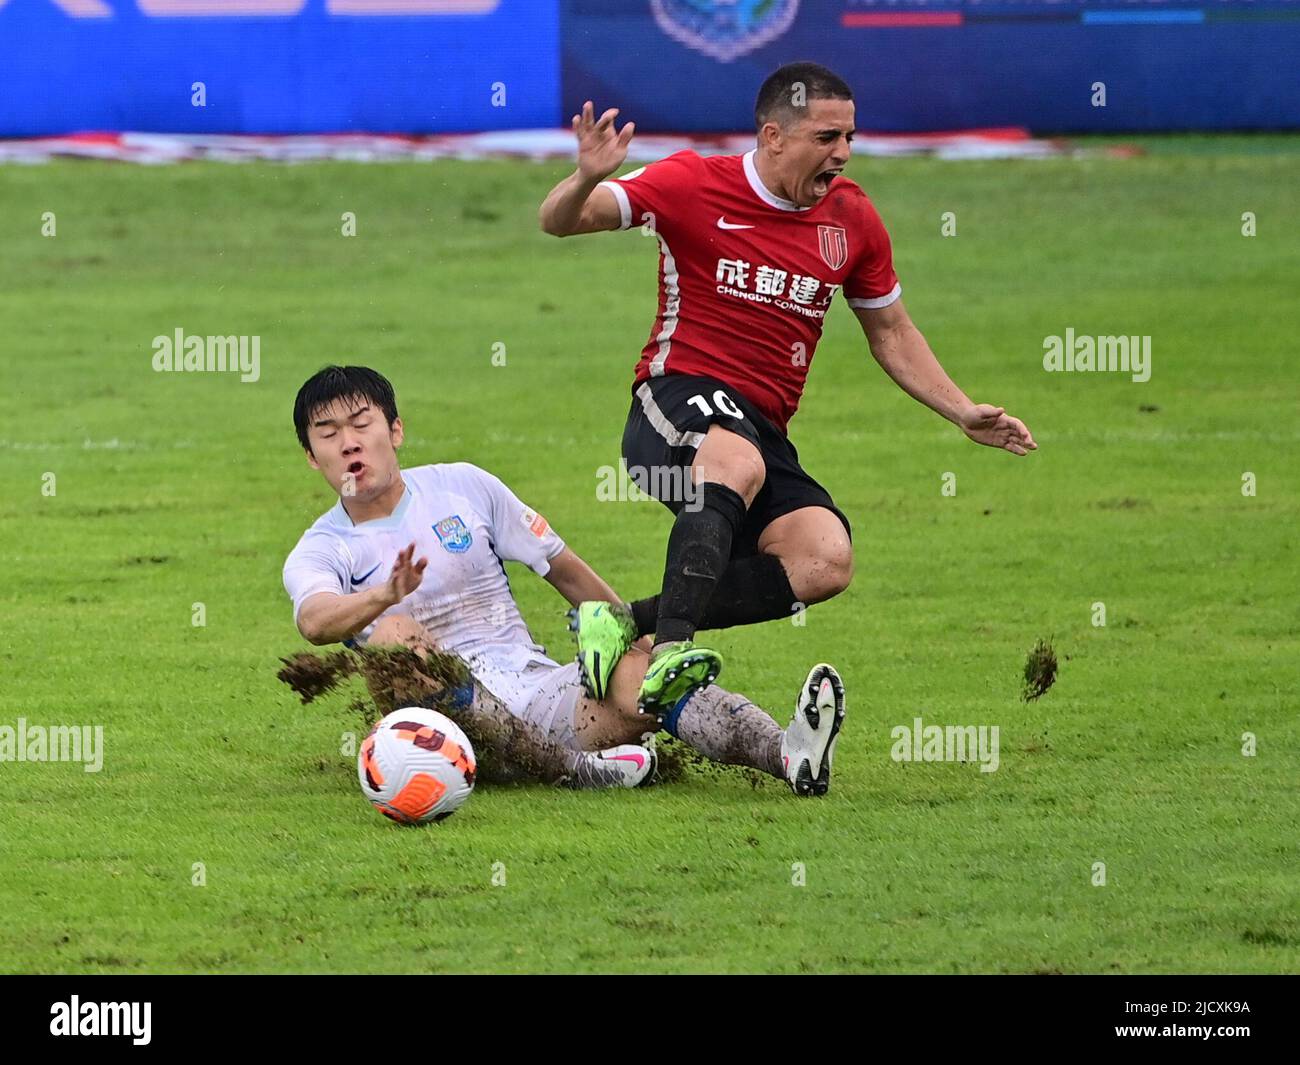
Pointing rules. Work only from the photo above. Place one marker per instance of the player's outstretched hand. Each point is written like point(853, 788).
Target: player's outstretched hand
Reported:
point(601, 148)
point(994, 427)
point(406, 576)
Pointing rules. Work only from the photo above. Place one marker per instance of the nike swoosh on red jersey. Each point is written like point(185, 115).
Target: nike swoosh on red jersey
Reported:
point(724, 224)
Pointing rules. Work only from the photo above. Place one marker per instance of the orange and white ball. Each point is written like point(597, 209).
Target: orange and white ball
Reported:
point(416, 766)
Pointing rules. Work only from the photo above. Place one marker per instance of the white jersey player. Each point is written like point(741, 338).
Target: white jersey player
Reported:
point(416, 557)
point(466, 524)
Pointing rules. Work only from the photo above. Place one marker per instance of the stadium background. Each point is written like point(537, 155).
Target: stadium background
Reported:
point(416, 66)
point(227, 832)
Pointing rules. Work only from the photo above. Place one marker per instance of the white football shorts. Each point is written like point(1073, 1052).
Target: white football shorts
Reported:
point(545, 694)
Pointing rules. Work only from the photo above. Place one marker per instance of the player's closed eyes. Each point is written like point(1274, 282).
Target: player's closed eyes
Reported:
point(355, 425)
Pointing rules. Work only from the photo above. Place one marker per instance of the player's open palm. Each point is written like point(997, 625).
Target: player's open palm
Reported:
point(994, 427)
point(406, 575)
point(601, 148)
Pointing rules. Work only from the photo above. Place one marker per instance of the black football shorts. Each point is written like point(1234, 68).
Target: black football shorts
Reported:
point(667, 422)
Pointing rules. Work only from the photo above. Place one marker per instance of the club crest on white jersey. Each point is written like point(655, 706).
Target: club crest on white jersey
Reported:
point(453, 535)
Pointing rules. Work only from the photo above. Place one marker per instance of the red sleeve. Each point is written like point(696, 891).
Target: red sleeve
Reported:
point(655, 190)
point(872, 282)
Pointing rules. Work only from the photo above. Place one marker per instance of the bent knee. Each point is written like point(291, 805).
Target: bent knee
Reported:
point(829, 570)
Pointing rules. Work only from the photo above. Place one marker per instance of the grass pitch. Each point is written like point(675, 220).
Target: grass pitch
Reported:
point(226, 831)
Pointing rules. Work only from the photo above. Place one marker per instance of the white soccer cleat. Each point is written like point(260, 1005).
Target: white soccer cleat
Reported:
point(625, 766)
point(809, 743)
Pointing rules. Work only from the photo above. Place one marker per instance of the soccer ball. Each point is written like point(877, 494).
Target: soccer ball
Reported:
point(416, 766)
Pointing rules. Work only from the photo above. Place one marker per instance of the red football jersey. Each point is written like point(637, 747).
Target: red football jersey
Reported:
point(746, 277)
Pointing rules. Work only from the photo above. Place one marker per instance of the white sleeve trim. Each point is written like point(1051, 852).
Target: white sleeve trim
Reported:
point(624, 205)
point(543, 566)
point(876, 302)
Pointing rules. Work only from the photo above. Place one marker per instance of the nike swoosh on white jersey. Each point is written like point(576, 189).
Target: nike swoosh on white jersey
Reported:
point(724, 224)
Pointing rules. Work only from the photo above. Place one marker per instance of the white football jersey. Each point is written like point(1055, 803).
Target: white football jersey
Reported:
point(467, 524)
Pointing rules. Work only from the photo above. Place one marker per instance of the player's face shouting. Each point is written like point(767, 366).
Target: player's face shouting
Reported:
point(814, 149)
point(352, 445)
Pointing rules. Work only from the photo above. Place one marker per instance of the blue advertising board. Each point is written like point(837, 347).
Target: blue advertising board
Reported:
point(918, 65)
point(277, 66)
point(440, 66)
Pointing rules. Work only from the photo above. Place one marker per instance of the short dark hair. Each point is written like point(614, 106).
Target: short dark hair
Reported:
point(331, 384)
point(776, 95)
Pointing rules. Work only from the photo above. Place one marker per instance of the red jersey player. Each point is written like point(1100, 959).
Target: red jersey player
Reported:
point(753, 249)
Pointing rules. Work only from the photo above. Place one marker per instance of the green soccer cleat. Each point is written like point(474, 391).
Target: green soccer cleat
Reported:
point(676, 670)
point(603, 632)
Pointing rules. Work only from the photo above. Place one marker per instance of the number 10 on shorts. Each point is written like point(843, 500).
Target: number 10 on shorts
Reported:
point(724, 403)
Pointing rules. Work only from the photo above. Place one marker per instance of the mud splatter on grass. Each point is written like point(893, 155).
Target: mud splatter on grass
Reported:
point(311, 676)
point(677, 760)
point(395, 677)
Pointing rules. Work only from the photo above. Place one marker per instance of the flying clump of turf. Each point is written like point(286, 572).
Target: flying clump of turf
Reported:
point(1040, 670)
point(395, 677)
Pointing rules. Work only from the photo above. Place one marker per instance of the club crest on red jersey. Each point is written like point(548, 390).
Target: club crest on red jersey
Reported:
point(834, 245)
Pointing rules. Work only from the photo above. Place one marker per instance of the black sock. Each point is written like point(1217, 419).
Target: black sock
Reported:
point(750, 590)
point(645, 613)
point(699, 548)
